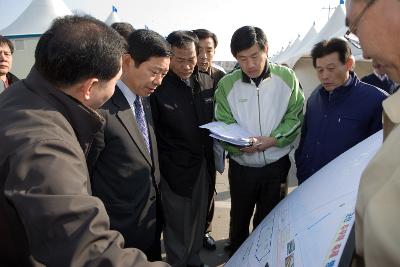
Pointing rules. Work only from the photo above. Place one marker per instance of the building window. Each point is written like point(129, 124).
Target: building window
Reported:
point(19, 45)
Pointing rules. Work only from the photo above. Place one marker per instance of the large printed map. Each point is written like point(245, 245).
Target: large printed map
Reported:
point(311, 225)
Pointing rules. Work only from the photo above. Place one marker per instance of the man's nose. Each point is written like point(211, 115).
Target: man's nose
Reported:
point(251, 63)
point(324, 75)
point(157, 81)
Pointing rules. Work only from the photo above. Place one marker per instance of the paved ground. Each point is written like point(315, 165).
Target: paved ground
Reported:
point(220, 224)
point(221, 217)
point(220, 230)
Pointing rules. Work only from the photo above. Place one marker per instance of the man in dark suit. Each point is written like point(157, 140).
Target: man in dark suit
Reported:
point(123, 160)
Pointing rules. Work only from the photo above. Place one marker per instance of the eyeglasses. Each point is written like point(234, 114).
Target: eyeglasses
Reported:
point(352, 39)
point(350, 34)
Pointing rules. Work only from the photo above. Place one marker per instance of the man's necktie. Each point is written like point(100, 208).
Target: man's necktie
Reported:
point(141, 121)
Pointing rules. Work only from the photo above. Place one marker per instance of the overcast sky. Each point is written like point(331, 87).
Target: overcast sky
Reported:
point(282, 20)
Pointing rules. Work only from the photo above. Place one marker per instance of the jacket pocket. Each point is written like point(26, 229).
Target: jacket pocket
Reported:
point(348, 121)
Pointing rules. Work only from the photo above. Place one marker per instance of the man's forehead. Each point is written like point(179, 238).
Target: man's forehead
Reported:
point(207, 42)
point(332, 58)
point(5, 47)
point(158, 62)
point(254, 50)
point(186, 51)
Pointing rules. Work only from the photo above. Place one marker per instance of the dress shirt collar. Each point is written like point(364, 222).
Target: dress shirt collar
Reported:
point(129, 95)
point(380, 77)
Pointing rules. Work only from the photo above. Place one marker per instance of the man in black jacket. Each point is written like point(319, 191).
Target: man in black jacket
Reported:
point(6, 56)
point(185, 152)
point(209, 77)
point(124, 160)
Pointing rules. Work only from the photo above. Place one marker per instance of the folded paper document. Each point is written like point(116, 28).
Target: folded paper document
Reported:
point(230, 133)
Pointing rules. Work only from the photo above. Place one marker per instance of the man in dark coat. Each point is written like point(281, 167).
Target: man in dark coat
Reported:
point(209, 77)
point(124, 161)
point(47, 215)
point(185, 152)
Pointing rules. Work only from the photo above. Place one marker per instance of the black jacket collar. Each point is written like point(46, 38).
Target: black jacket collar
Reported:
point(84, 120)
point(193, 81)
point(11, 78)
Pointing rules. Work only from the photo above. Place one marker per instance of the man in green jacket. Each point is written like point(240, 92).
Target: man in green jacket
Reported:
point(266, 100)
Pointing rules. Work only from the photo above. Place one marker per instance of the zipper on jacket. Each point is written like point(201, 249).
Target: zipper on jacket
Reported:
point(259, 120)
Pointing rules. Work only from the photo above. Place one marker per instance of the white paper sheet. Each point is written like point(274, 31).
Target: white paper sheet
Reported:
point(231, 133)
point(311, 225)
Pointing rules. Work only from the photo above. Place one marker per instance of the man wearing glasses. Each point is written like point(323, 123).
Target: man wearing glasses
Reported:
point(6, 51)
point(377, 25)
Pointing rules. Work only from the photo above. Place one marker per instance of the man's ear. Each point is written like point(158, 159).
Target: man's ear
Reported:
point(350, 64)
point(87, 86)
point(126, 60)
point(266, 48)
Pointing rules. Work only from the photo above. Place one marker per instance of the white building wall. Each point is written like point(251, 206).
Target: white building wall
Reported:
point(24, 56)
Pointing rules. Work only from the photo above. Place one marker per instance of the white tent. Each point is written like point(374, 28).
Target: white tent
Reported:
point(289, 51)
point(113, 17)
point(26, 30)
point(36, 18)
point(281, 53)
point(288, 59)
point(334, 24)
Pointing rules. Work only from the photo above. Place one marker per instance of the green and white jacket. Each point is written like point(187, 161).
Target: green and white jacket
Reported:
point(274, 108)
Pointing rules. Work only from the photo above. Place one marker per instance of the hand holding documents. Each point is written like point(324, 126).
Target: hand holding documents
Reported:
point(230, 133)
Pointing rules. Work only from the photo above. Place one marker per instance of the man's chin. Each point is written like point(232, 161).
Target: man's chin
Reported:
point(3, 71)
point(185, 77)
point(393, 73)
point(149, 92)
point(253, 74)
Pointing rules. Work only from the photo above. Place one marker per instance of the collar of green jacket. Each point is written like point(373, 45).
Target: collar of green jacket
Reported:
point(265, 74)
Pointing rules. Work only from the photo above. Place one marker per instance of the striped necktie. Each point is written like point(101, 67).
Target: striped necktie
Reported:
point(141, 121)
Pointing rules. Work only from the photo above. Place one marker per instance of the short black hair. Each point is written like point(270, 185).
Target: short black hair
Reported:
point(144, 44)
point(327, 47)
point(5, 41)
point(203, 34)
point(123, 28)
point(181, 39)
point(76, 48)
point(247, 36)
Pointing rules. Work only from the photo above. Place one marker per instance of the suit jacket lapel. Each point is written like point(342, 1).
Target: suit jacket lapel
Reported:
point(128, 120)
point(150, 126)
